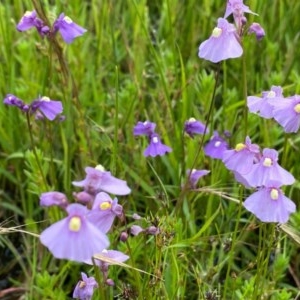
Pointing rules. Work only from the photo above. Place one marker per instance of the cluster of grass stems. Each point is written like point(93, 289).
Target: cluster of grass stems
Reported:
point(138, 61)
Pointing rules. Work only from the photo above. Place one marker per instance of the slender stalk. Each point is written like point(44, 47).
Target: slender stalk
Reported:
point(245, 93)
point(209, 116)
point(233, 243)
point(34, 150)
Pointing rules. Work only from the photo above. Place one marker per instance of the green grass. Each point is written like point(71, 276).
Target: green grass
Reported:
point(138, 61)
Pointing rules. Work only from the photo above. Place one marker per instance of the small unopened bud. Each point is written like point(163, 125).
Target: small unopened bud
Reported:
point(257, 30)
point(110, 282)
point(83, 197)
point(123, 236)
point(153, 230)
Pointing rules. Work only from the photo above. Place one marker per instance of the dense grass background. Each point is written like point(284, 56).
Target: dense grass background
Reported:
point(139, 61)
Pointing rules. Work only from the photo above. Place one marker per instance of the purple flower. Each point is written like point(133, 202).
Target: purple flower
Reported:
point(13, 100)
point(192, 127)
point(264, 105)
point(287, 113)
point(104, 211)
point(241, 159)
point(195, 175)
point(136, 230)
point(216, 146)
point(267, 169)
point(237, 8)
point(156, 147)
point(269, 204)
point(30, 20)
point(54, 198)
point(49, 108)
point(257, 30)
point(112, 255)
point(85, 288)
point(98, 180)
point(222, 44)
point(67, 28)
point(144, 128)
point(74, 237)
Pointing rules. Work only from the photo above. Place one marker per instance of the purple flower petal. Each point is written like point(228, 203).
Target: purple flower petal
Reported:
point(54, 198)
point(144, 128)
point(74, 237)
point(270, 205)
point(156, 147)
point(98, 180)
point(85, 288)
point(222, 44)
point(67, 28)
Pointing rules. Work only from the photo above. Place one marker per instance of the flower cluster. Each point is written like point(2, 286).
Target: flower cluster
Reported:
point(43, 107)
point(262, 172)
point(63, 24)
point(85, 224)
point(224, 43)
point(155, 147)
point(272, 104)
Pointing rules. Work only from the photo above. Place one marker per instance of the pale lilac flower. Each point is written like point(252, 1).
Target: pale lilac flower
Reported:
point(98, 180)
point(112, 255)
point(156, 147)
point(237, 8)
point(49, 108)
point(264, 106)
point(257, 30)
point(152, 230)
point(223, 43)
point(287, 113)
point(13, 100)
point(104, 211)
point(216, 146)
point(192, 127)
point(67, 28)
point(54, 198)
point(144, 128)
point(269, 204)
point(241, 158)
point(74, 237)
point(195, 175)
point(267, 169)
point(30, 20)
point(85, 288)
point(136, 230)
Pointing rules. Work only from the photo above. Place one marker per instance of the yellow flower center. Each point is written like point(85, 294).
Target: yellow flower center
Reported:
point(27, 13)
point(271, 94)
point(297, 108)
point(240, 146)
point(105, 205)
point(67, 20)
point(267, 162)
point(274, 194)
point(75, 224)
point(217, 32)
point(192, 120)
point(82, 284)
point(45, 99)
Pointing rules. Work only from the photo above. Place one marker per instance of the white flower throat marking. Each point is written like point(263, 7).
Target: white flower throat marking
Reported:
point(217, 32)
point(268, 162)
